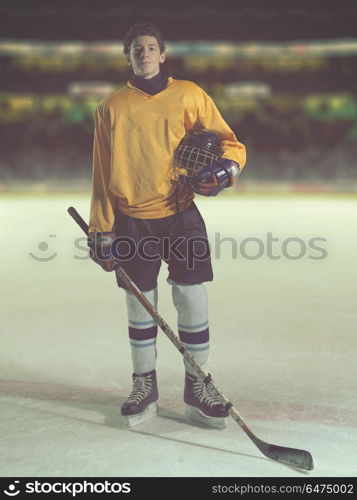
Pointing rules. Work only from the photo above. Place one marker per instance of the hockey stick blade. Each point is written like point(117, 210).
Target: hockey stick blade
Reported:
point(288, 456)
point(293, 457)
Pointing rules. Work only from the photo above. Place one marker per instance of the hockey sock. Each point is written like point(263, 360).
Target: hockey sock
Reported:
point(192, 308)
point(142, 332)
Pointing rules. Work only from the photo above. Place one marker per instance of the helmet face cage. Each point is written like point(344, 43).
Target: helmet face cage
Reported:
point(190, 158)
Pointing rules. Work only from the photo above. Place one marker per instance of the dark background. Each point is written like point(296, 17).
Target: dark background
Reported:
point(239, 20)
point(304, 129)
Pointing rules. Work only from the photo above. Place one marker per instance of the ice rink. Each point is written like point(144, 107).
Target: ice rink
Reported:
point(283, 344)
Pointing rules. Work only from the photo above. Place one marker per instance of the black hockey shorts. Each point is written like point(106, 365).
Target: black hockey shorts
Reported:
point(180, 240)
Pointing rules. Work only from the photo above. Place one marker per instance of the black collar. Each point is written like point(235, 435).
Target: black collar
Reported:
point(152, 85)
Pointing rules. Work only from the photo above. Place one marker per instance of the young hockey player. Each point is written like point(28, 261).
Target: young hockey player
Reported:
point(136, 199)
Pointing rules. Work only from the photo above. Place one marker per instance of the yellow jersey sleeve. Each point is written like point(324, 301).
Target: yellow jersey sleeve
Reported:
point(103, 201)
point(209, 117)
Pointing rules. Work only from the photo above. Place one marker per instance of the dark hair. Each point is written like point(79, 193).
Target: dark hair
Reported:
point(141, 29)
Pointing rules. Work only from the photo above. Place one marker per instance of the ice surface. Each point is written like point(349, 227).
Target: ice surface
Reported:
point(283, 346)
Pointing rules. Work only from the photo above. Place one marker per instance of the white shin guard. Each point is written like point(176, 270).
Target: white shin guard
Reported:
point(142, 332)
point(191, 303)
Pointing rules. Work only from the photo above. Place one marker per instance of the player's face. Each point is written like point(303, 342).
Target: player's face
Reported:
point(145, 57)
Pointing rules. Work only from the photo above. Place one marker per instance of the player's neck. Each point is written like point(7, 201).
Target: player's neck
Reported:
point(152, 85)
point(145, 78)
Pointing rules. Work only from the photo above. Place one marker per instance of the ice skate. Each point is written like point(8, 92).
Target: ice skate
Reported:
point(203, 404)
point(141, 404)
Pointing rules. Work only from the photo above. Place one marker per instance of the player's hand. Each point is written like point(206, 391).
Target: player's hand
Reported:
point(211, 180)
point(100, 250)
point(109, 265)
point(208, 187)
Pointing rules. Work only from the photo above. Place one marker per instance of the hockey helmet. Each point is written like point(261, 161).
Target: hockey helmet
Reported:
point(199, 148)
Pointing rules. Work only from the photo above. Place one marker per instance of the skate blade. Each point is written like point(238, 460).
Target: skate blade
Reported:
point(199, 416)
point(149, 413)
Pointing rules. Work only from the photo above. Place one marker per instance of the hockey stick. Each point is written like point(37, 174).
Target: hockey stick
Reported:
point(288, 456)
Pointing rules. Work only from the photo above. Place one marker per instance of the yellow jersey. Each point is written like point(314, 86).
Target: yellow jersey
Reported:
point(135, 137)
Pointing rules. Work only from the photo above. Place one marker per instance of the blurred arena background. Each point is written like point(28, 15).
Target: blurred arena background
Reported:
point(285, 79)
